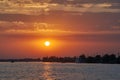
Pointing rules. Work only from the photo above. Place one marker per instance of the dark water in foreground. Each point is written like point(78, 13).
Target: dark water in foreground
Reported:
point(58, 71)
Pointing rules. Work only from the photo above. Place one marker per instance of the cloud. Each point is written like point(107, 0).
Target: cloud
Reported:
point(36, 7)
point(105, 36)
point(19, 29)
point(59, 16)
point(25, 27)
point(5, 25)
point(62, 21)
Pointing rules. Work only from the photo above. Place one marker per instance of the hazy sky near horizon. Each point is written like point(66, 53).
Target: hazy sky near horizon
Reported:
point(74, 27)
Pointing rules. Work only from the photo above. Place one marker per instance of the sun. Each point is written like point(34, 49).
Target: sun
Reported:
point(47, 43)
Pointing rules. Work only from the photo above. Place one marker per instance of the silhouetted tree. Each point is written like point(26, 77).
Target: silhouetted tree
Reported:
point(112, 58)
point(118, 60)
point(106, 58)
point(45, 59)
point(97, 59)
point(90, 59)
point(82, 58)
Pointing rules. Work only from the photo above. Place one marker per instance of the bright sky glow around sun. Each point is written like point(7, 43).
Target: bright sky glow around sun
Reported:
point(47, 43)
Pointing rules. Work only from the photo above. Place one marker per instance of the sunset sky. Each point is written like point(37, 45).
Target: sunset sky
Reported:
point(72, 27)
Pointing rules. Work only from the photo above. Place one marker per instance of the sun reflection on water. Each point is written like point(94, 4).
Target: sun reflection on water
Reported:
point(47, 71)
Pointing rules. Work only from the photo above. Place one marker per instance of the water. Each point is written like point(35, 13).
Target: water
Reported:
point(58, 71)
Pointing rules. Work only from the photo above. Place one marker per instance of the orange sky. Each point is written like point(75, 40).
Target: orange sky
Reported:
point(14, 46)
point(73, 27)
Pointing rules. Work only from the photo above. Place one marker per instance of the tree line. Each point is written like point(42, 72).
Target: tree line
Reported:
point(106, 58)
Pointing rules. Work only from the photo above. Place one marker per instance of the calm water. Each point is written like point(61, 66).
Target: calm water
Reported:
point(58, 71)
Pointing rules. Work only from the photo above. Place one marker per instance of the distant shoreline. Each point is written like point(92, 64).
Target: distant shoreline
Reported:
point(105, 59)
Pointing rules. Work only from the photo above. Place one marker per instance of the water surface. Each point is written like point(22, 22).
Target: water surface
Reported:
point(58, 71)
